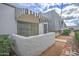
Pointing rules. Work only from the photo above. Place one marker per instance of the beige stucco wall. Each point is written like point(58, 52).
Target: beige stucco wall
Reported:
point(28, 18)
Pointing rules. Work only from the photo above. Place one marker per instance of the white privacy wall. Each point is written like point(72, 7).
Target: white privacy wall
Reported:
point(7, 20)
point(33, 45)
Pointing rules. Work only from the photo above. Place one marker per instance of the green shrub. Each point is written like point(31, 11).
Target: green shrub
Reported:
point(66, 32)
point(4, 45)
point(77, 35)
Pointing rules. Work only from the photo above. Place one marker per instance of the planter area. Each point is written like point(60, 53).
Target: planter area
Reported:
point(4, 45)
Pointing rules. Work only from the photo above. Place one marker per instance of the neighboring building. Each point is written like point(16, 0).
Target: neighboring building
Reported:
point(55, 22)
point(72, 24)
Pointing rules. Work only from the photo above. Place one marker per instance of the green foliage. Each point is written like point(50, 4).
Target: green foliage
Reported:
point(4, 45)
point(66, 32)
point(77, 35)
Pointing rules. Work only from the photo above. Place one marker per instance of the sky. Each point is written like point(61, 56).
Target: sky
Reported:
point(41, 7)
point(70, 11)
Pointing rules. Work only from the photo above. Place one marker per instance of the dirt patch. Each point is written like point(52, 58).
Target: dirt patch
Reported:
point(54, 50)
point(61, 47)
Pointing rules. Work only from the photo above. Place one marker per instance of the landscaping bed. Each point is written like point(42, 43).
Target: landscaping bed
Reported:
point(4, 45)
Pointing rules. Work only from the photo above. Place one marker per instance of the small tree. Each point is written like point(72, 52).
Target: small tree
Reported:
point(66, 32)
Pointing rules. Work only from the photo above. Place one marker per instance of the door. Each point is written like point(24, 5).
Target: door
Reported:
point(45, 27)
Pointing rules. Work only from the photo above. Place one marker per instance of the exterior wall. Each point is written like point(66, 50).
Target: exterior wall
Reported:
point(33, 45)
point(28, 18)
point(27, 29)
point(33, 23)
point(54, 21)
point(7, 20)
point(26, 15)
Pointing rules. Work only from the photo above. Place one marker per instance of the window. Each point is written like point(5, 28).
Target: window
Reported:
point(27, 29)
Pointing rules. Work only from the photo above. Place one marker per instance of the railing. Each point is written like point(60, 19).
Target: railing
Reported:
point(24, 11)
point(21, 11)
